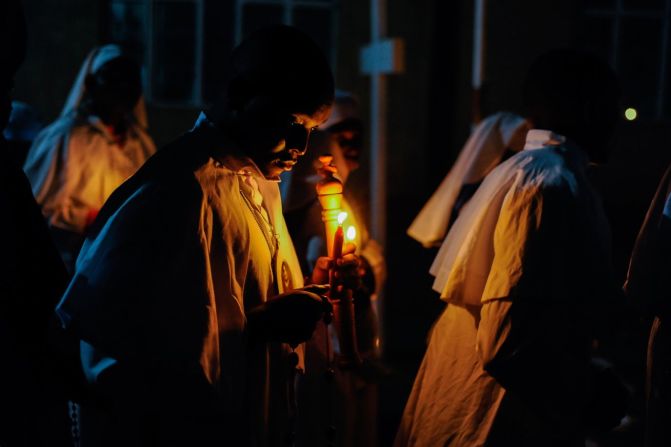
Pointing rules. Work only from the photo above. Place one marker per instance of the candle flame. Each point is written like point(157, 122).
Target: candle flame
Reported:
point(351, 233)
point(341, 217)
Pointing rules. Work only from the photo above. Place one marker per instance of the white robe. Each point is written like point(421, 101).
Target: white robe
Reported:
point(74, 164)
point(524, 270)
point(175, 259)
point(482, 152)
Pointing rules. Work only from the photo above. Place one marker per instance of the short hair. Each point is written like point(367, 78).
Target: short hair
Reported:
point(285, 64)
point(560, 82)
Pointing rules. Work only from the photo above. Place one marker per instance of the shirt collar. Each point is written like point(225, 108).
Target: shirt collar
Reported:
point(232, 158)
point(539, 138)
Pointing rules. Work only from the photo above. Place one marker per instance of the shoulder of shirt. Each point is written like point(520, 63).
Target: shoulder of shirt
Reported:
point(62, 125)
point(547, 167)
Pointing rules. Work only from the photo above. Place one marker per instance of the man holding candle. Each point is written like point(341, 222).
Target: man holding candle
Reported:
point(189, 284)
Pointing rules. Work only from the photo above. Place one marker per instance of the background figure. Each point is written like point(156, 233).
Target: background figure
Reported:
point(33, 407)
point(525, 270)
point(98, 142)
point(23, 127)
point(350, 402)
point(648, 285)
point(493, 141)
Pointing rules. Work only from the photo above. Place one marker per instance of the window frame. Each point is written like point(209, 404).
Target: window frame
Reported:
point(289, 7)
point(617, 14)
point(197, 99)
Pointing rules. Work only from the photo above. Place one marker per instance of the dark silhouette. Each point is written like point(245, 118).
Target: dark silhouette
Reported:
point(33, 409)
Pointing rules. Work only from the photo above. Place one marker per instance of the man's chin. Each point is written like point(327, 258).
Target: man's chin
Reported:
point(277, 168)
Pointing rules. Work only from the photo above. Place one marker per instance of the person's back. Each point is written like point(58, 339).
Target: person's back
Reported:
point(525, 272)
point(547, 229)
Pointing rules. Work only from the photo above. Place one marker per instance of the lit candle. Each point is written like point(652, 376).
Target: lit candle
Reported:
point(350, 234)
point(339, 236)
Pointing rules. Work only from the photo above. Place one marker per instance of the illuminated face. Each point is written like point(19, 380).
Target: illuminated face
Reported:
point(292, 143)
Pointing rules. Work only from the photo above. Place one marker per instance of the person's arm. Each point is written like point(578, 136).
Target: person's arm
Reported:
point(141, 307)
point(533, 336)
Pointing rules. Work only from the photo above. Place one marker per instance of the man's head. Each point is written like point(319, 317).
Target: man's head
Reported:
point(574, 94)
point(114, 88)
point(12, 52)
point(280, 89)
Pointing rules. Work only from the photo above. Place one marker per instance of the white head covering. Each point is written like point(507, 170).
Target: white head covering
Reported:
point(481, 153)
point(94, 61)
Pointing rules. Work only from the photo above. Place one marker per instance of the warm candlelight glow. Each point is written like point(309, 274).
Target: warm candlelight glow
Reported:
point(341, 217)
point(351, 233)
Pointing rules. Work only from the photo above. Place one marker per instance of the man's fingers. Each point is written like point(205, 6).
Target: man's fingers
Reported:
point(348, 260)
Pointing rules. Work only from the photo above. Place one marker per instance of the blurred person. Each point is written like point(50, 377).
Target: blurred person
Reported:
point(493, 141)
point(346, 401)
point(99, 140)
point(33, 407)
point(525, 271)
point(188, 296)
point(647, 285)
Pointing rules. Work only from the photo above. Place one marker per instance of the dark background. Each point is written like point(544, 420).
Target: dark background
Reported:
point(184, 53)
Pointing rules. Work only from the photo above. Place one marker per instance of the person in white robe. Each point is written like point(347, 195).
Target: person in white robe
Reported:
point(492, 141)
point(188, 294)
point(99, 140)
point(647, 286)
point(525, 272)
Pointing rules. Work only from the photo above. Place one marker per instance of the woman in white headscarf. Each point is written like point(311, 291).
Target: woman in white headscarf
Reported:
point(492, 141)
point(99, 140)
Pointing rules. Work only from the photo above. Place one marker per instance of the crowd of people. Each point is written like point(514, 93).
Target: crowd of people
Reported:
point(186, 297)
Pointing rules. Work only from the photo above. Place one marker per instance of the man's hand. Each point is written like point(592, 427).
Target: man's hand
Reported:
point(347, 269)
point(290, 317)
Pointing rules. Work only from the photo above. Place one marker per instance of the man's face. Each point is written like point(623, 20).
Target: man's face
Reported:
point(346, 142)
point(116, 87)
point(290, 142)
